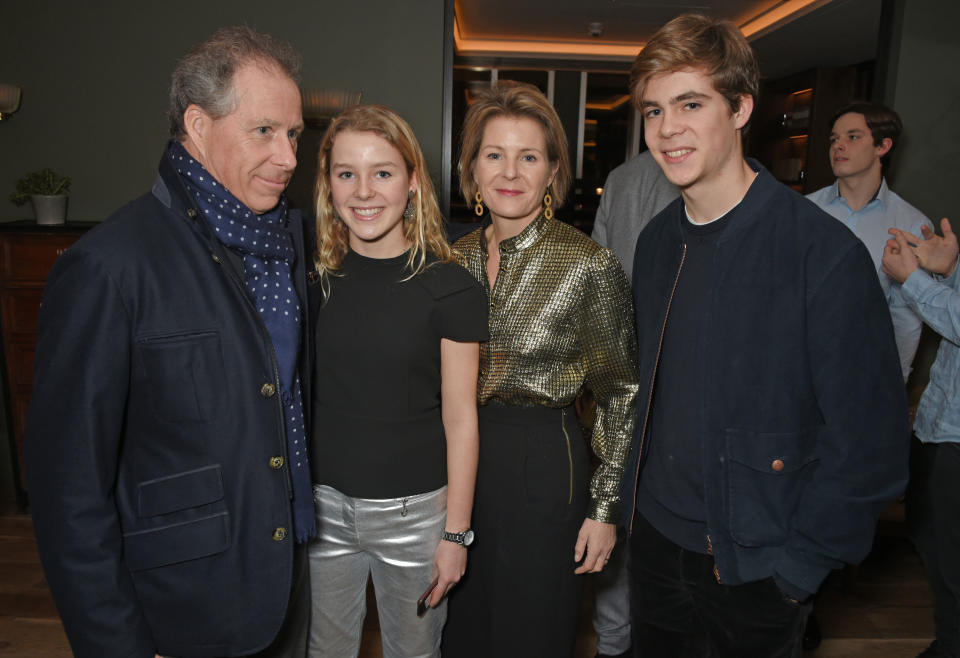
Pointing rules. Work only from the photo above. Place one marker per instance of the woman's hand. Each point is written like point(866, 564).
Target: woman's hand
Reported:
point(596, 540)
point(449, 565)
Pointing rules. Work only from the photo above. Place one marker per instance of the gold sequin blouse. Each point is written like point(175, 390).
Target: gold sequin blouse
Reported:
point(561, 319)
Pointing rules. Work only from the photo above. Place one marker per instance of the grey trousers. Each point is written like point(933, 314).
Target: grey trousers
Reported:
point(393, 541)
point(611, 610)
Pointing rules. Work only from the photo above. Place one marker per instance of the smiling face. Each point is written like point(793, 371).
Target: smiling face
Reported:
point(512, 169)
point(253, 150)
point(852, 151)
point(690, 129)
point(370, 186)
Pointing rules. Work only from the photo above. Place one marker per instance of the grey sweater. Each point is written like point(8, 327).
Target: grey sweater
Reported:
point(634, 193)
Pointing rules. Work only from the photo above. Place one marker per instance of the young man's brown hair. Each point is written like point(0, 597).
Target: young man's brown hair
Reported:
point(694, 41)
point(882, 121)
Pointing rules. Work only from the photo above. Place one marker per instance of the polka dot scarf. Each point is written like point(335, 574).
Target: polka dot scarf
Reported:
point(266, 248)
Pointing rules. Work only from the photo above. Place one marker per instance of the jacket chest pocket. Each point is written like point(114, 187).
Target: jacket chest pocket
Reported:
point(183, 372)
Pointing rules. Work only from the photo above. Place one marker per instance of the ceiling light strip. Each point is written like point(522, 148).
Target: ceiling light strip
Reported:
point(766, 22)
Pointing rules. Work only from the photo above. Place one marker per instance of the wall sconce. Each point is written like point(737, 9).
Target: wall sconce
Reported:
point(9, 100)
point(319, 106)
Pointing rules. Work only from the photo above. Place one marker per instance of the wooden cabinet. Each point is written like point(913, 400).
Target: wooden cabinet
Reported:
point(27, 252)
point(790, 128)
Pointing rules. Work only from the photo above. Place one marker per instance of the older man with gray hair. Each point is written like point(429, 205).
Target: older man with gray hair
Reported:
point(165, 442)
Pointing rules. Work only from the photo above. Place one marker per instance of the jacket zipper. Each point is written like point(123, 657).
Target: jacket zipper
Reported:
point(563, 426)
point(653, 377)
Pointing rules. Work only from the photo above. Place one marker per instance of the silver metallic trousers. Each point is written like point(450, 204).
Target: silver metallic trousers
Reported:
point(393, 541)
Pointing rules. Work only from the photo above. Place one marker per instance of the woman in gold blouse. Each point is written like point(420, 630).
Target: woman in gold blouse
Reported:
point(560, 320)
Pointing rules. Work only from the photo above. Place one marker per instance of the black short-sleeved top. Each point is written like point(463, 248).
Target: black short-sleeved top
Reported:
point(377, 428)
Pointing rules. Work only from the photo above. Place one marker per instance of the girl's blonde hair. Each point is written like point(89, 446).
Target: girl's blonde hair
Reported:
point(425, 231)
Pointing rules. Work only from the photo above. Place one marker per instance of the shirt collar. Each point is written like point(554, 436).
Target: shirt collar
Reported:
point(528, 237)
point(882, 194)
point(835, 190)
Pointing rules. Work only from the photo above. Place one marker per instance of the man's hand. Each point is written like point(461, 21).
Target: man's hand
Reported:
point(938, 254)
point(596, 540)
point(899, 258)
point(905, 252)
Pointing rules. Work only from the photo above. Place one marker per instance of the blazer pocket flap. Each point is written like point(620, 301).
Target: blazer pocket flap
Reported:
point(774, 453)
point(178, 542)
point(181, 491)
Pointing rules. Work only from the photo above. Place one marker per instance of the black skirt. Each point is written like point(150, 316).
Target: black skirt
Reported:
point(520, 596)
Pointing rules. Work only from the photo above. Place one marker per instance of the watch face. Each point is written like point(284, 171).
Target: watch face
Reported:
point(468, 537)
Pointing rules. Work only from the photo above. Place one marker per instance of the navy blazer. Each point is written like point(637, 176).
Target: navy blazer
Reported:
point(155, 449)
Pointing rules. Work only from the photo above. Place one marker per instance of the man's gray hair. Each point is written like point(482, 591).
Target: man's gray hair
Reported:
point(204, 77)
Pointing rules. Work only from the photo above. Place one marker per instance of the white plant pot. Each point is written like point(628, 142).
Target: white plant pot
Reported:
point(49, 209)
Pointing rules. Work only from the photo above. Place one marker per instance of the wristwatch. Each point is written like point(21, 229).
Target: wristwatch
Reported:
point(464, 538)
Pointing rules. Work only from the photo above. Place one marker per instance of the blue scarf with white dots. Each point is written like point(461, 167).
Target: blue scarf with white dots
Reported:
point(266, 248)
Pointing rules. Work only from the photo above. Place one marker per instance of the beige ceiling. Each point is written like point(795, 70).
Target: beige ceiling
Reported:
point(625, 21)
point(788, 35)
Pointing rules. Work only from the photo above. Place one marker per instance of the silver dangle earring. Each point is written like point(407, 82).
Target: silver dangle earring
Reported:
point(409, 212)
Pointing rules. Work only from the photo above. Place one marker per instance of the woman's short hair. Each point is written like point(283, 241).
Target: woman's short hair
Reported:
point(204, 77)
point(694, 41)
point(425, 231)
point(515, 100)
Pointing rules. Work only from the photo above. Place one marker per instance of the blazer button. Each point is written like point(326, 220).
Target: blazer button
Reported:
point(777, 465)
point(267, 390)
point(216, 259)
point(191, 213)
point(276, 462)
point(279, 534)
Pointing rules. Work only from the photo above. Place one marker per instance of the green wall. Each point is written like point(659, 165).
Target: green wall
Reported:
point(95, 78)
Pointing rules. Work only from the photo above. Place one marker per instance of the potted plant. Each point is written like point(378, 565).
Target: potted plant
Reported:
point(47, 191)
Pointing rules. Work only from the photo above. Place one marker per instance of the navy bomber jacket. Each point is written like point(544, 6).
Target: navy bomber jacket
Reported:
point(805, 433)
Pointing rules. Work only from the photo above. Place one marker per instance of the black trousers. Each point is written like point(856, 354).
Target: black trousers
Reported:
point(520, 596)
point(679, 610)
point(933, 522)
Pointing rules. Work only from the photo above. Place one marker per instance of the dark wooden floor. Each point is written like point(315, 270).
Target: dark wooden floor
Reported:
point(879, 610)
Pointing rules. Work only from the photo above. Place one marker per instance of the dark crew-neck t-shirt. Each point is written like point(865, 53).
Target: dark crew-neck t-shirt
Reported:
point(378, 431)
point(671, 493)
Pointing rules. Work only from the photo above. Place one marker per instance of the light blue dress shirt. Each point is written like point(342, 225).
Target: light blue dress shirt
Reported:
point(886, 210)
point(937, 301)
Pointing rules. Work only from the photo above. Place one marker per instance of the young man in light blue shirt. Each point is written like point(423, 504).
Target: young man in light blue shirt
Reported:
point(927, 268)
point(862, 139)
